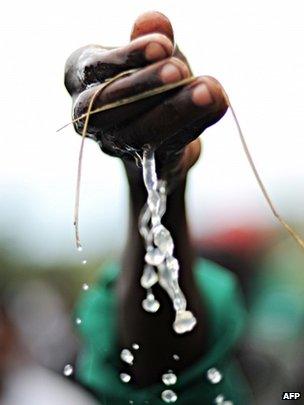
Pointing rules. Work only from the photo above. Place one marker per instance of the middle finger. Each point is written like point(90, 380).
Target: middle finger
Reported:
point(168, 71)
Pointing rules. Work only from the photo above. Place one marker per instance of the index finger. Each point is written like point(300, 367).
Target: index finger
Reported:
point(94, 64)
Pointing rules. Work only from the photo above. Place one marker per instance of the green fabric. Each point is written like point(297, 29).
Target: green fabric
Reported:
point(98, 366)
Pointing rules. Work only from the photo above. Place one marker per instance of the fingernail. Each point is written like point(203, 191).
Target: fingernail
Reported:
point(155, 51)
point(170, 73)
point(201, 95)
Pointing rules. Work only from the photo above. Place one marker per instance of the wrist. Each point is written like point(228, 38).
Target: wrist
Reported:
point(173, 174)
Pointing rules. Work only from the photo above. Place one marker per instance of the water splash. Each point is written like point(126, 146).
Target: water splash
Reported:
point(127, 356)
point(214, 375)
point(68, 370)
point(220, 400)
point(159, 249)
point(149, 277)
point(169, 378)
point(85, 286)
point(169, 396)
point(184, 320)
point(125, 378)
point(150, 304)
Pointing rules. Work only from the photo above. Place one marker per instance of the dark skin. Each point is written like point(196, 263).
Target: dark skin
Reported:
point(171, 123)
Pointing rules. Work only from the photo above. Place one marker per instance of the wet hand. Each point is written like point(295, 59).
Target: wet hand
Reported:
point(171, 122)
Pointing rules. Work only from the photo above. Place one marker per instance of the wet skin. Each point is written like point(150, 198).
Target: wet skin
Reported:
point(172, 123)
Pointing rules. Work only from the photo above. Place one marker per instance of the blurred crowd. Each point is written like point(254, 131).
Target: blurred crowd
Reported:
point(38, 332)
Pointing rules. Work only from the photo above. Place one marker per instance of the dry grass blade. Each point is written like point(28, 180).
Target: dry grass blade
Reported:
point(281, 220)
point(131, 99)
point(84, 133)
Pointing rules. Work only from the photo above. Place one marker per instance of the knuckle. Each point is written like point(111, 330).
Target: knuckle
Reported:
point(79, 68)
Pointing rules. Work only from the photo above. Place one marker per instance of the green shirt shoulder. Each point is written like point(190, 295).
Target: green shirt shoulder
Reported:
point(97, 366)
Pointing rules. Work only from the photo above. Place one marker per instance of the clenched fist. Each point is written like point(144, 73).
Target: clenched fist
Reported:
point(171, 122)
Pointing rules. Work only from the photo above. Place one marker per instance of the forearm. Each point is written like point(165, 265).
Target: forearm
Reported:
point(154, 331)
point(174, 219)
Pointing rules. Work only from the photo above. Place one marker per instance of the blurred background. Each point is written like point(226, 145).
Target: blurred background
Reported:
point(255, 50)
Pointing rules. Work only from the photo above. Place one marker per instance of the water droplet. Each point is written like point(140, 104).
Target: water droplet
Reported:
point(68, 370)
point(219, 400)
point(214, 375)
point(176, 357)
point(127, 356)
point(125, 377)
point(85, 286)
point(169, 396)
point(227, 403)
point(184, 322)
point(79, 248)
point(135, 346)
point(150, 304)
point(78, 321)
point(162, 186)
point(154, 256)
point(163, 240)
point(169, 378)
point(84, 262)
point(149, 277)
point(131, 402)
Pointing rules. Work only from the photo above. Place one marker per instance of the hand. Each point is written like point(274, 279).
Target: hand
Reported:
point(171, 121)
